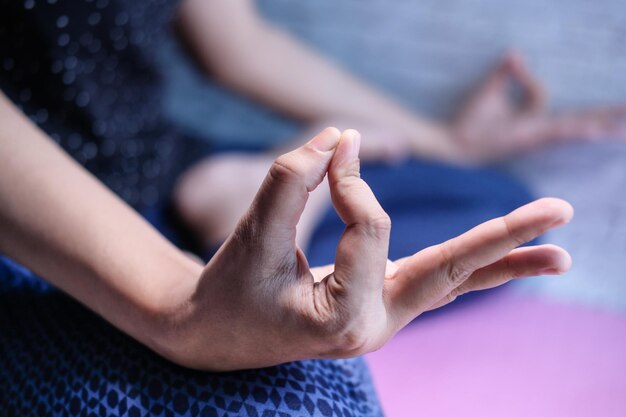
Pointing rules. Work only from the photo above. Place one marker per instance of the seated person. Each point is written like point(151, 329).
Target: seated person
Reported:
point(84, 74)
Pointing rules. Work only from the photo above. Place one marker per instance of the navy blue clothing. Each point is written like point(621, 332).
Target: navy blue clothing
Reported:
point(85, 72)
point(59, 359)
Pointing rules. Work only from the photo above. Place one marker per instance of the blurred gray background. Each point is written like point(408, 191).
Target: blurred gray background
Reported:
point(429, 54)
point(426, 53)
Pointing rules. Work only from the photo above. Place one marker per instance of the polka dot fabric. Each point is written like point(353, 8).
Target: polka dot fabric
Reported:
point(84, 71)
point(59, 359)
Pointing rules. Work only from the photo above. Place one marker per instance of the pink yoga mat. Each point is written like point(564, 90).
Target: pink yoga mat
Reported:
point(506, 355)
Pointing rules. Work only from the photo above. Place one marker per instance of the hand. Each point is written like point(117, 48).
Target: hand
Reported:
point(493, 124)
point(258, 303)
point(381, 142)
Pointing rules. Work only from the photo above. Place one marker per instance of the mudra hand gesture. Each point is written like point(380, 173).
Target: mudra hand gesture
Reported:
point(259, 303)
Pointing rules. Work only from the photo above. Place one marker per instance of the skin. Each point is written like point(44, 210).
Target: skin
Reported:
point(257, 302)
point(291, 78)
point(267, 64)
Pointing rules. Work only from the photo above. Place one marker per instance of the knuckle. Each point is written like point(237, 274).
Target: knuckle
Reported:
point(376, 227)
point(456, 293)
point(344, 187)
point(454, 271)
point(381, 222)
point(347, 185)
point(455, 274)
point(379, 225)
point(283, 170)
point(511, 269)
point(347, 177)
point(512, 233)
point(308, 150)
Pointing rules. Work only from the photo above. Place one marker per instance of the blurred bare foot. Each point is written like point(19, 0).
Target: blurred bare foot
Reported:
point(215, 193)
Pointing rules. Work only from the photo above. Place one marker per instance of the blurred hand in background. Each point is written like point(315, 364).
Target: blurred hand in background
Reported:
point(508, 114)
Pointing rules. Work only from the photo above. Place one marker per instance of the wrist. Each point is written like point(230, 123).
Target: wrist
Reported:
point(164, 314)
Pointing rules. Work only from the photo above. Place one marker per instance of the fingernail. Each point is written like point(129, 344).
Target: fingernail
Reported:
point(348, 149)
point(326, 140)
point(355, 141)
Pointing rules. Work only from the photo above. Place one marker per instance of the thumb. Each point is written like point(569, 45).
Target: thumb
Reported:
point(361, 256)
point(282, 197)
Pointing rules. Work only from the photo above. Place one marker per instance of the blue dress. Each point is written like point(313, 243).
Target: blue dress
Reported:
point(83, 71)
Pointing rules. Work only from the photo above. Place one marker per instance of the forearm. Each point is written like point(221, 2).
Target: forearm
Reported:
point(63, 224)
point(276, 69)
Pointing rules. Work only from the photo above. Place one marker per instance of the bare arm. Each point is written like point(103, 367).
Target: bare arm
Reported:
point(247, 53)
point(250, 55)
point(67, 227)
point(256, 303)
